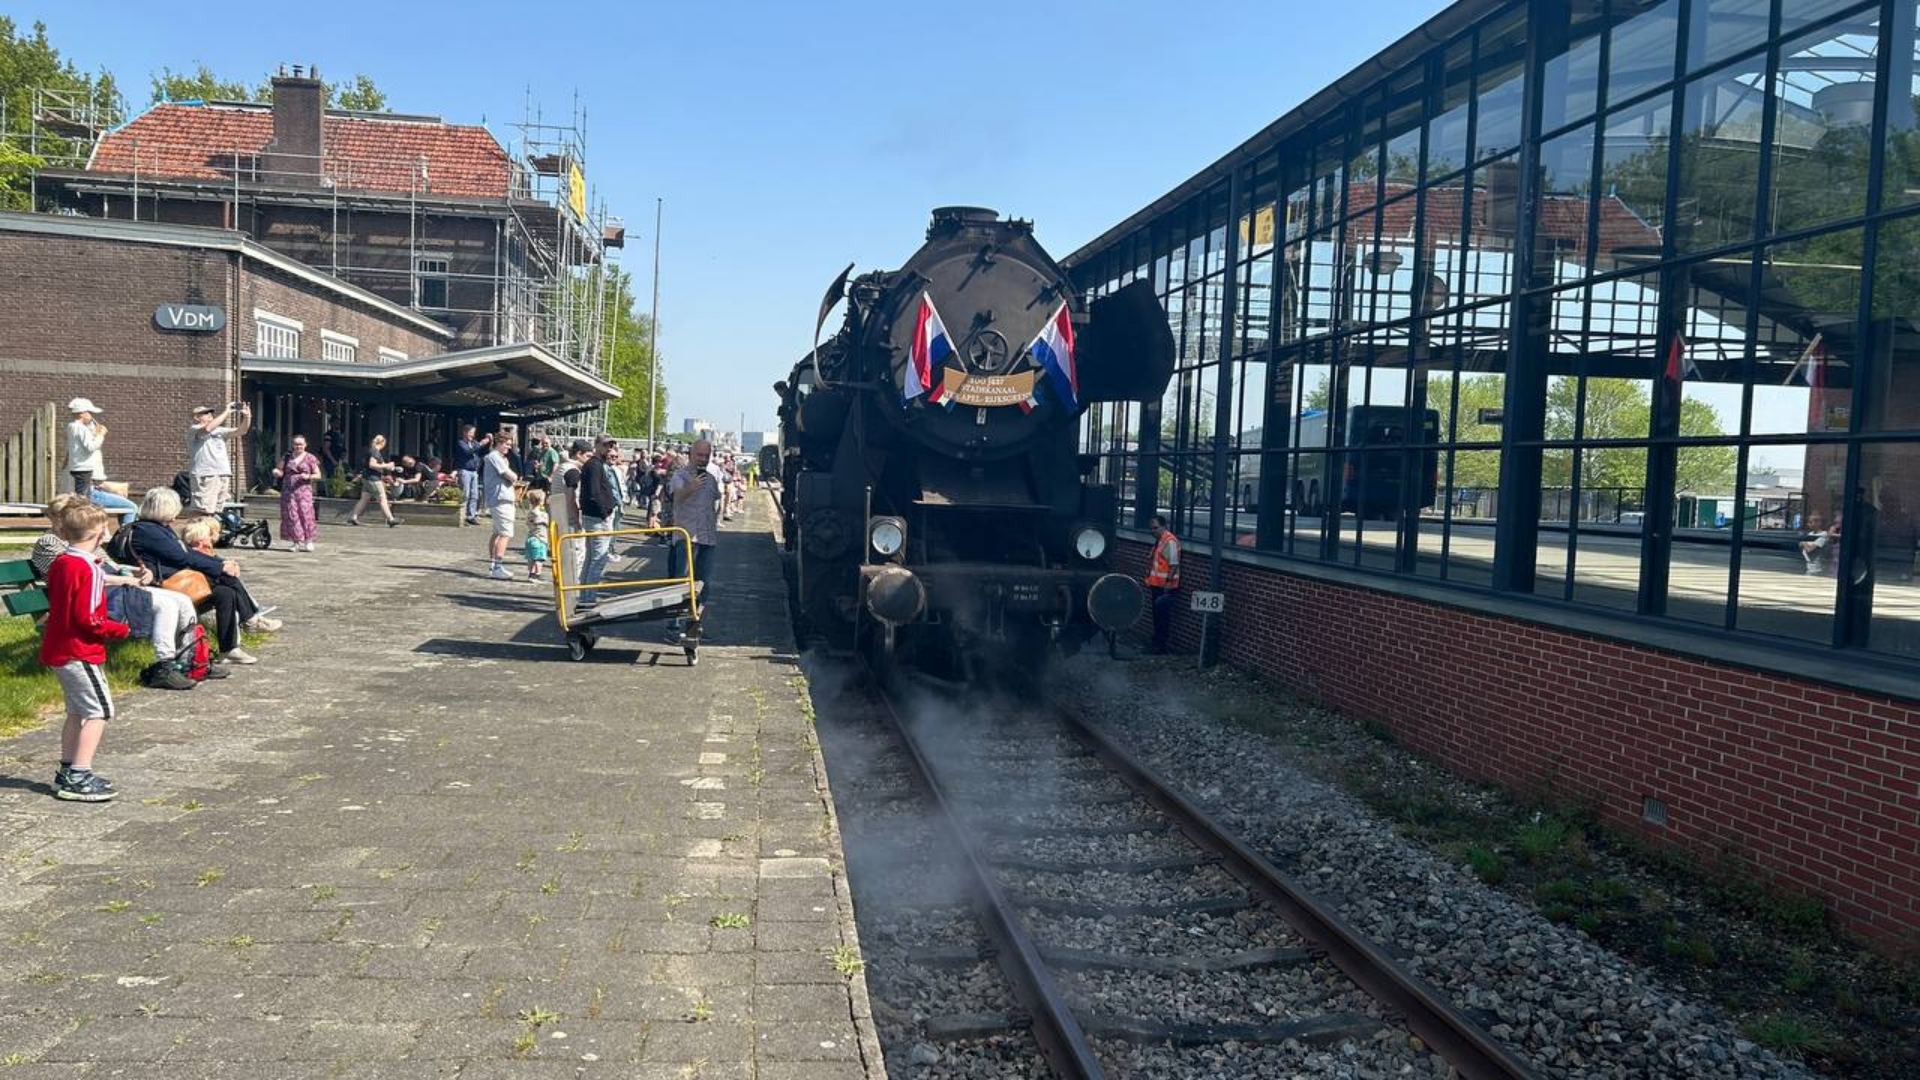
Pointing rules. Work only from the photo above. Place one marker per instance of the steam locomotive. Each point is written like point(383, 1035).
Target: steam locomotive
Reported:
point(934, 501)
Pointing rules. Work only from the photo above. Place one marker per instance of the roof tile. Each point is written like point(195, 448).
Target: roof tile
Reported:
point(364, 153)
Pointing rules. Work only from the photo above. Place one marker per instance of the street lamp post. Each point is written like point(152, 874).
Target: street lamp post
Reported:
point(653, 334)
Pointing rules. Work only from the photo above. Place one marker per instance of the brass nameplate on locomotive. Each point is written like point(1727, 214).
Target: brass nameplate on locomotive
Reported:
point(986, 391)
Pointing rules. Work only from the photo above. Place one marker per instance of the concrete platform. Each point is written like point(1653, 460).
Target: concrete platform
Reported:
point(417, 840)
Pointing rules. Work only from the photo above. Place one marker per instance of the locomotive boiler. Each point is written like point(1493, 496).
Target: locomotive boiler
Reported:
point(935, 502)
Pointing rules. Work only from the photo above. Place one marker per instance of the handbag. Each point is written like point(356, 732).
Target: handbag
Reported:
point(190, 583)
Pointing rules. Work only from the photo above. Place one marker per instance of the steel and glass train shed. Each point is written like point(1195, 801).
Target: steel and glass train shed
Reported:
point(1596, 318)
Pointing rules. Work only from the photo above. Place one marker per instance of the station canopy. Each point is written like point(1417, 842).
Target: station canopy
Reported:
point(523, 381)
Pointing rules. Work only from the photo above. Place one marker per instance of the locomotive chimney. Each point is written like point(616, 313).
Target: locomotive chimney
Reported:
point(946, 218)
point(299, 107)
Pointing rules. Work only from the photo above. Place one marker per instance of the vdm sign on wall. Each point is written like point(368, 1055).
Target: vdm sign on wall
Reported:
point(191, 318)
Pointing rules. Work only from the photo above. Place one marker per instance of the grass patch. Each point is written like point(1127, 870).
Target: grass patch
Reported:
point(1693, 949)
point(1542, 838)
point(730, 920)
point(1789, 1034)
point(29, 693)
point(846, 961)
point(1486, 863)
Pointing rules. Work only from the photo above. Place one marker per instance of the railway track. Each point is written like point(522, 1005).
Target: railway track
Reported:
point(1133, 929)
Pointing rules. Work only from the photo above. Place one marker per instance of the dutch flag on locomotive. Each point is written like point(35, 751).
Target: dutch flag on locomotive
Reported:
point(931, 347)
point(1053, 348)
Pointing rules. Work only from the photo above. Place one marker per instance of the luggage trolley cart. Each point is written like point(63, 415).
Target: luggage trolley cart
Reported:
point(644, 600)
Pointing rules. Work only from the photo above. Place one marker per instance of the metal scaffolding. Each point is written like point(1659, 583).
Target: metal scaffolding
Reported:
point(548, 283)
point(560, 281)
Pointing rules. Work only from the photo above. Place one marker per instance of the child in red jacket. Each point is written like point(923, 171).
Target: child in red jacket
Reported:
point(74, 644)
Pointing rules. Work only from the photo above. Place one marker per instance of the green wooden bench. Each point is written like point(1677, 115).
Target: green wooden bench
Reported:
point(24, 596)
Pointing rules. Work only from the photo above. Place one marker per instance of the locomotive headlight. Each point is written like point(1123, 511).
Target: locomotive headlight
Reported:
point(887, 535)
point(1089, 543)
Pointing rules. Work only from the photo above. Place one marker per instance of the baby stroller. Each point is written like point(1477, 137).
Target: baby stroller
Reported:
point(236, 529)
point(234, 526)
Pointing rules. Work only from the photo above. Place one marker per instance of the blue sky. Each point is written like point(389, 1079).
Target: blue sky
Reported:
point(790, 139)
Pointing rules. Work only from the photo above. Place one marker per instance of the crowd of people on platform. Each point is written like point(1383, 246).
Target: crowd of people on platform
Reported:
point(157, 572)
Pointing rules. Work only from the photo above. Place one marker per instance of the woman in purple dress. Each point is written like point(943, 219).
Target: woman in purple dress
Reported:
point(296, 474)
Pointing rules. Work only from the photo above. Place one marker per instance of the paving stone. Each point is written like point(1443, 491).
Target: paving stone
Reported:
point(416, 823)
point(711, 1040)
point(780, 968)
point(823, 1002)
point(809, 1041)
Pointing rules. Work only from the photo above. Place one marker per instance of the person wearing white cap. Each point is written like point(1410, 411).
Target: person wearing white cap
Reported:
point(85, 463)
point(85, 436)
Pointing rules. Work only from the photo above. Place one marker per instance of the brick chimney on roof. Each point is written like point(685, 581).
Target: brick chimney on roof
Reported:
point(294, 155)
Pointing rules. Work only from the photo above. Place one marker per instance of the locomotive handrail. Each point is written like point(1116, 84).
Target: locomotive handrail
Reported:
point(560, 588)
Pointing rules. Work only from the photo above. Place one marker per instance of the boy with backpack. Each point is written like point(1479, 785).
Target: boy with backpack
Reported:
point(74, 646)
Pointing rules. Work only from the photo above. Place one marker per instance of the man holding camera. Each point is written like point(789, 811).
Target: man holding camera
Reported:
point(696, 490)
point(210, 464)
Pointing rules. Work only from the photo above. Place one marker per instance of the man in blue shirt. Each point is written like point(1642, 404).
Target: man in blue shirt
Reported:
point(466, 467)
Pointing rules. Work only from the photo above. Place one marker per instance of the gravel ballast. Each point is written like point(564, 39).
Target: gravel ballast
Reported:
point(1571, 1007)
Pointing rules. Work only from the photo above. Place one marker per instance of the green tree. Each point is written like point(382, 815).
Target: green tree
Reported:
point(630, 362)
point(202, 84)
point(360, 94)
point(1471, 469)
point(1320, 396)
point(1623, 409)
point(16, 175)
point(1704, 470)
point(28, 63)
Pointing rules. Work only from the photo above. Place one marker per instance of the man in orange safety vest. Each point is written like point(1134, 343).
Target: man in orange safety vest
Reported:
point(1163, 580)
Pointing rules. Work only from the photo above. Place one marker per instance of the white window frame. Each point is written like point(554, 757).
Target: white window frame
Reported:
point(277, 336)
point(392, 356)
point(338, 348)
point(435, 267)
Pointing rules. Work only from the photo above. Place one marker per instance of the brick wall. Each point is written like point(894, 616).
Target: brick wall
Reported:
point(377, 245)
point(1815, 784)
point(78, 322)
point(283, 294)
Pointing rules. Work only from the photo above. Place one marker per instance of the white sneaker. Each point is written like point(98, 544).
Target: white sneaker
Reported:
point(262, 623)
point(237, 655)
point(499, 573)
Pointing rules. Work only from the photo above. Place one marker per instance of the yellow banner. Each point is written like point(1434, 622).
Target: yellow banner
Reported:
point(577, 190)
point(1262, 222)
point(987, 391)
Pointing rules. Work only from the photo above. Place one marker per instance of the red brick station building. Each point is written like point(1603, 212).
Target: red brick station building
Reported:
point(366, 273)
